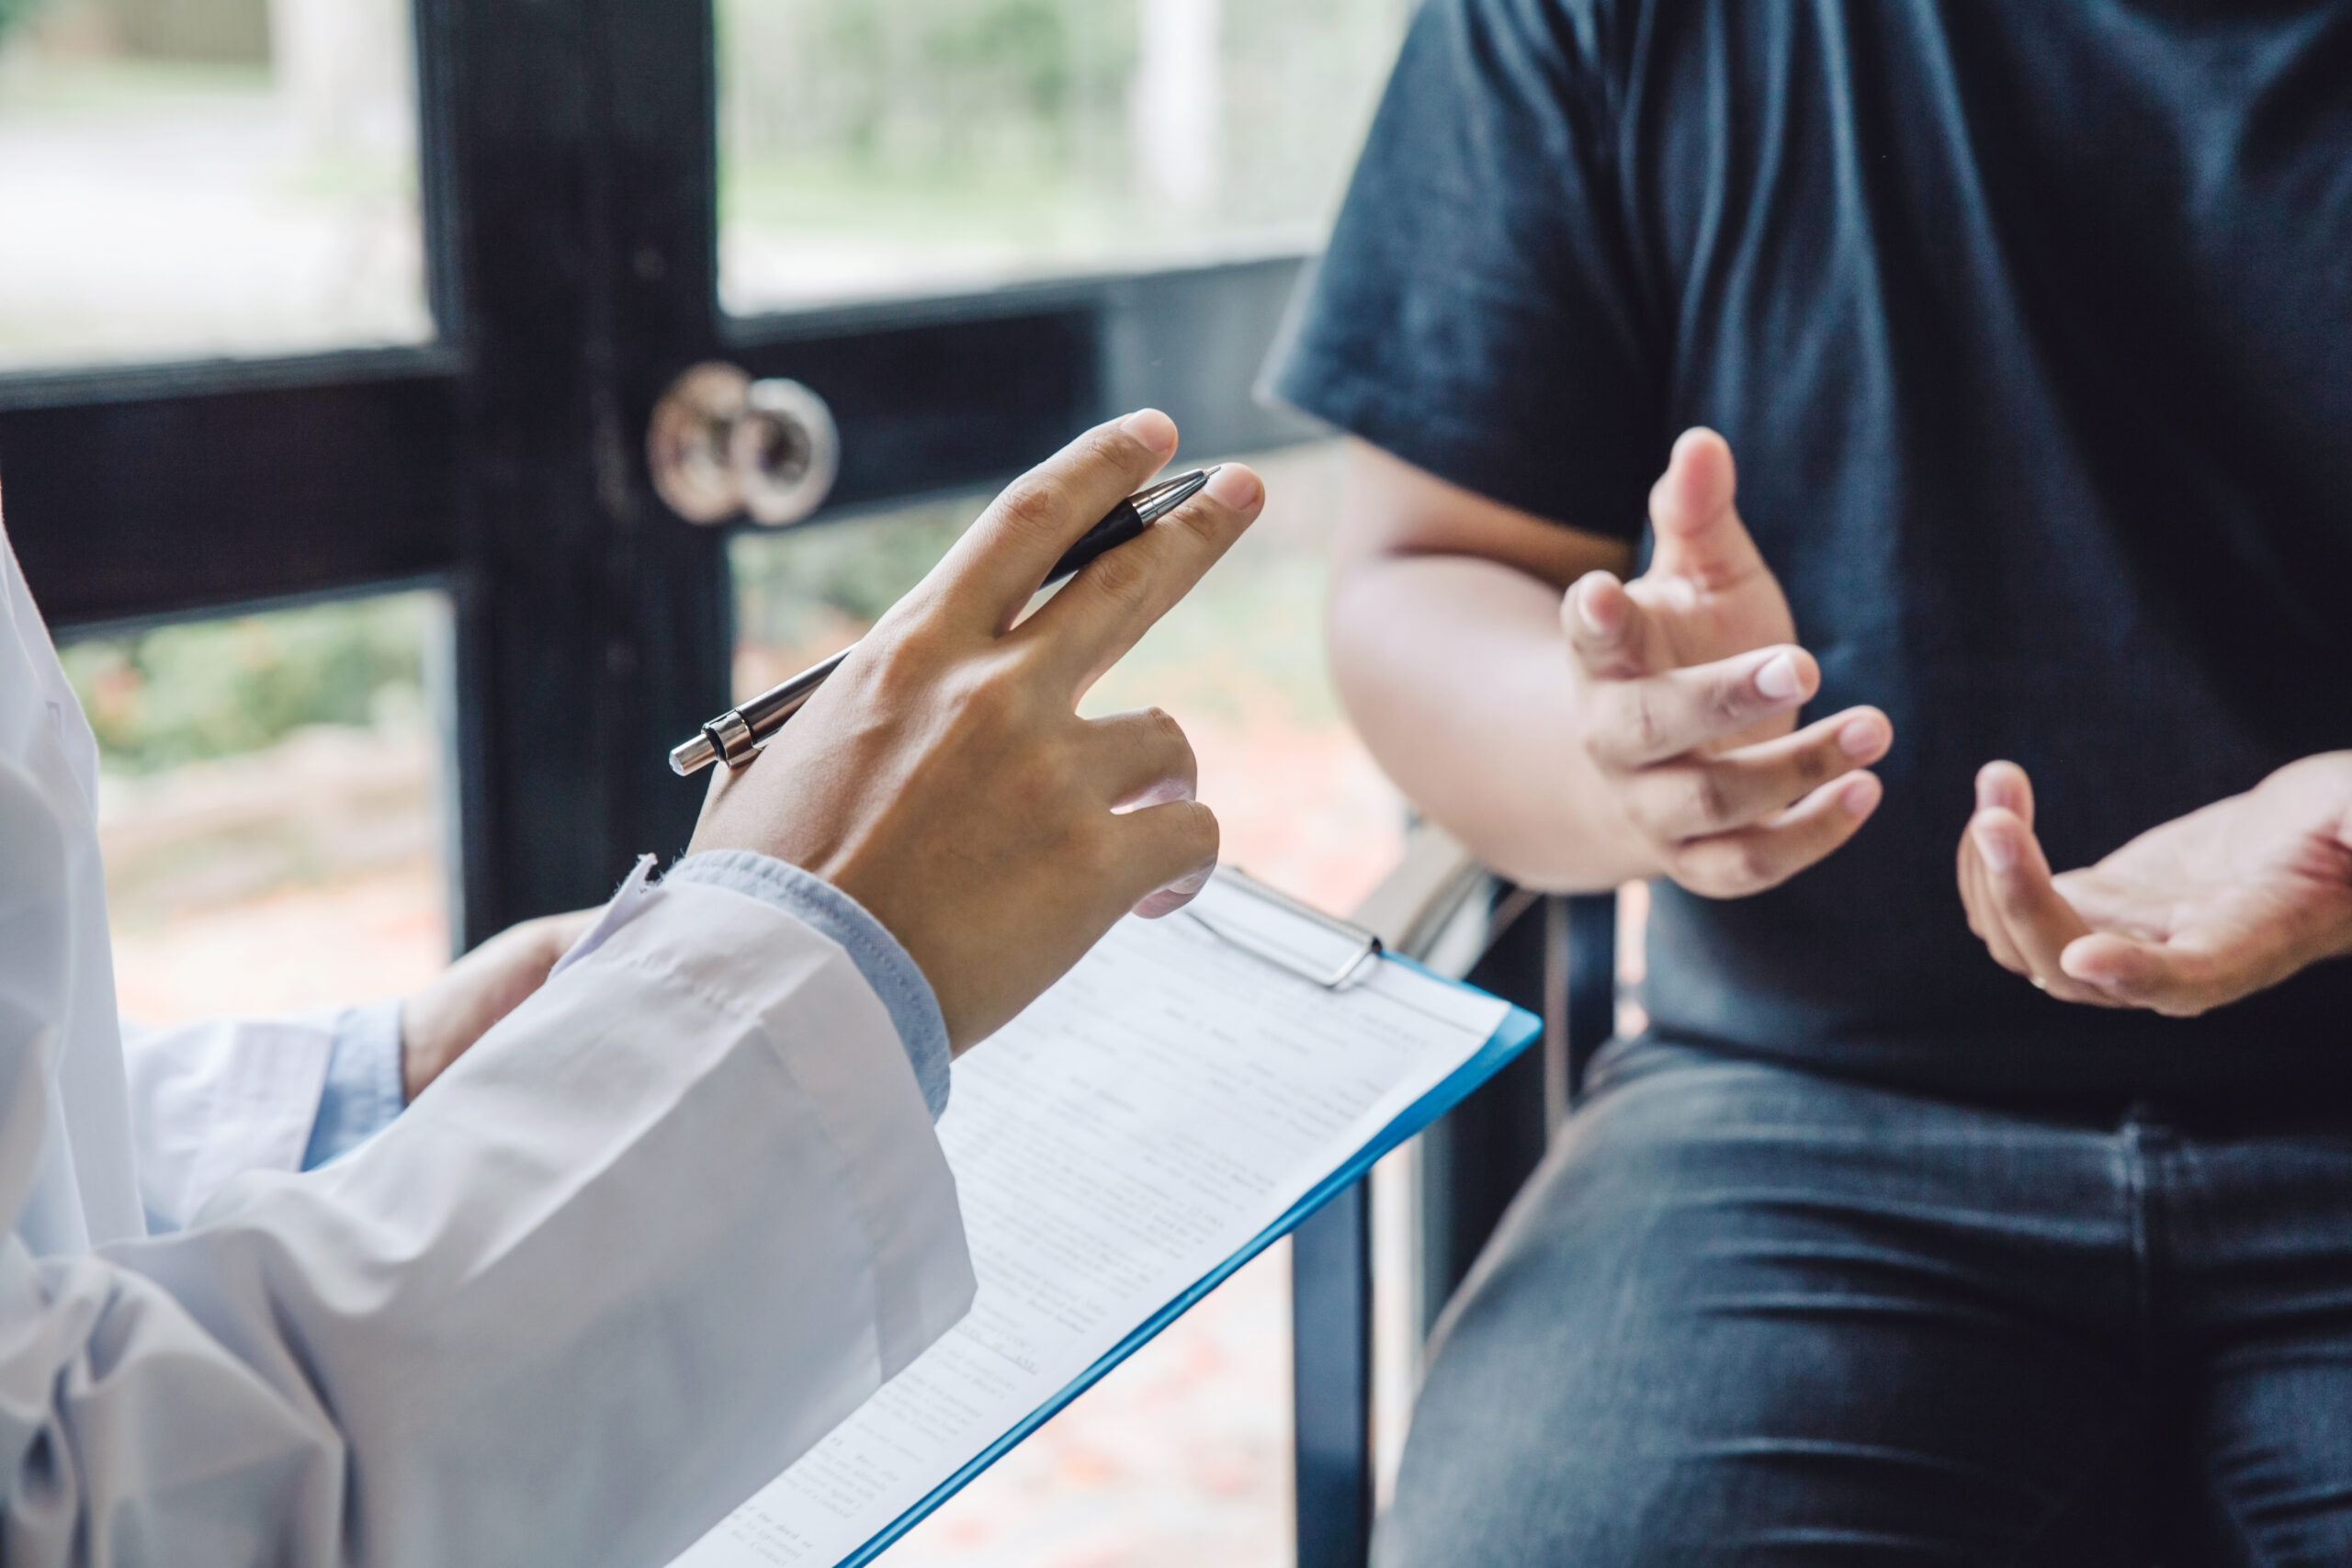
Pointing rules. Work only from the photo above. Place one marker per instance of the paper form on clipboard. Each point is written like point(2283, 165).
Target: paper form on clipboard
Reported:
point(1187, 1094)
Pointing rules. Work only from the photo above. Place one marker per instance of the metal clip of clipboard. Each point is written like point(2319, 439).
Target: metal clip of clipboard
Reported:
point(1366, 946)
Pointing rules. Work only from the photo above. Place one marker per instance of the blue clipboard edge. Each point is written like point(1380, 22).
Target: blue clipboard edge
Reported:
point(1517, 1030)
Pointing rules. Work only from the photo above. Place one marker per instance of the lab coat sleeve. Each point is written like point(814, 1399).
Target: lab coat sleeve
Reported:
point(888, 968)
point(213, 1098)
point(366, 1085)
point(630, 1256)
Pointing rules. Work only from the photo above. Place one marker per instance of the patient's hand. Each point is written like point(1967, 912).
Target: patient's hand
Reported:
point(2199, 912)
point(1688, 686)
point(942, 777)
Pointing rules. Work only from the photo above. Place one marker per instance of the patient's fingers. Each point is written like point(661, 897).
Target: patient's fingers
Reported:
point(2141, 973)
point(1610, 635)
point(1699, 796)
point(1977, 900)
point(1732, 865)
point(1632, 723)
point(1693, 516)
point(2006, 786)
point(2034, 918)
point(2165, 978)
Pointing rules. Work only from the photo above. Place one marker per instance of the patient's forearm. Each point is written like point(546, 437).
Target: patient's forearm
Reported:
point(1455, 671)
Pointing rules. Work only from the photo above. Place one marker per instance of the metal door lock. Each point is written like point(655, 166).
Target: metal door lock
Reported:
point(722, 445)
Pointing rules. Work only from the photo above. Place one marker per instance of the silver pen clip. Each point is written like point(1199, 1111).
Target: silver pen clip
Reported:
point(1363, 949)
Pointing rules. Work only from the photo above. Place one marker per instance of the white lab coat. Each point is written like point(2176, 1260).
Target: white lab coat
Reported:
point(644, 1244)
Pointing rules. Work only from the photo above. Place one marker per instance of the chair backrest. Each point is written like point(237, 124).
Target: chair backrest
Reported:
point(1555, 956)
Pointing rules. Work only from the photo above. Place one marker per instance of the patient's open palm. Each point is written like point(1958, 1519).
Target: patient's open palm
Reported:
point(2196, 913)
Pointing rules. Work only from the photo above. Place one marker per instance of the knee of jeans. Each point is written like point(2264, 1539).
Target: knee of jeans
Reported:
point(1460, 1511)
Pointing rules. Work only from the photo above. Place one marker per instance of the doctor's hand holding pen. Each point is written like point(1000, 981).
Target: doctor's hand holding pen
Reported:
point(942, 776)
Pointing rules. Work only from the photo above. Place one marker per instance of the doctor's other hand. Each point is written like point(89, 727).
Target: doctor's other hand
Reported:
point(943, 778)
point(1688, 684)
point(440, 1023)
point(2196, 913)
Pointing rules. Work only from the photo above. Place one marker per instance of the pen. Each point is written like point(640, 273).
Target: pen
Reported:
point(735, 734)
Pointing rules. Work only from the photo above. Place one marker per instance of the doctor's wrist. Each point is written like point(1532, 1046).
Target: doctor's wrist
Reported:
point(904, 990)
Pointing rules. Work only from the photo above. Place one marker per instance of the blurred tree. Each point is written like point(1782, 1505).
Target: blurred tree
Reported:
point(1022, 117)
point(13, 12)
point(225, 31)
point(931, 88)
point(200, 689)
point(801, 584)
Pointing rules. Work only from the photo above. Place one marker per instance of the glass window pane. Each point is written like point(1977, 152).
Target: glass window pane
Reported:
point(271, 806)
point(879, 148)
point(193, 177)
point(1183, 1455)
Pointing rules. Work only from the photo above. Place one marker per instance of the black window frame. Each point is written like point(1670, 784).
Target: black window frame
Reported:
point(569, 170)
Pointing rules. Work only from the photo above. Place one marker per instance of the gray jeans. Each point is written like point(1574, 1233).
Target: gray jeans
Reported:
point(1745, 1314)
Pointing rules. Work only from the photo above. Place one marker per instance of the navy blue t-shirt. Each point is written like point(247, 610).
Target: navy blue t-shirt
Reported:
point(2030, 327)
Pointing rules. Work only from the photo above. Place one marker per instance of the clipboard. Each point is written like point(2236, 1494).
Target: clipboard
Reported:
point(1265, 970)
point(1360, 946)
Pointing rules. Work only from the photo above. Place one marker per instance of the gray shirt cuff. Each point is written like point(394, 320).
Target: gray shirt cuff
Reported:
point(365, 1087)
point(887, 966)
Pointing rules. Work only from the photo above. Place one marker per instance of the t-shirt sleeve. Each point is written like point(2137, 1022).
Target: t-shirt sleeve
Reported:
point(1477, 312)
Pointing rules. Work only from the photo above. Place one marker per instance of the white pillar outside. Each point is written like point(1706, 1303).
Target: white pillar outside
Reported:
point(1179, 102)
point(345, 69)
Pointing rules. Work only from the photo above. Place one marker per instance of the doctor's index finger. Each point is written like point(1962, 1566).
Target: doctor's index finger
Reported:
point(1003, 558)
point(1105, 608)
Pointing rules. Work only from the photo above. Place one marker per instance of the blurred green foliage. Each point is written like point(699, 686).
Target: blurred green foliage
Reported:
point(1013, 118)
point(796, 585)
point(200, 689)
point(919, 87)
point(15, 11)
point(1246, 643)
point(1301, 79)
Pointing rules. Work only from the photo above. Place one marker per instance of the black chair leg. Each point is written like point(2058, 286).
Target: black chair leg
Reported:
point(1592, 981)
point(1330, 1270)
point(1472, 1163)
